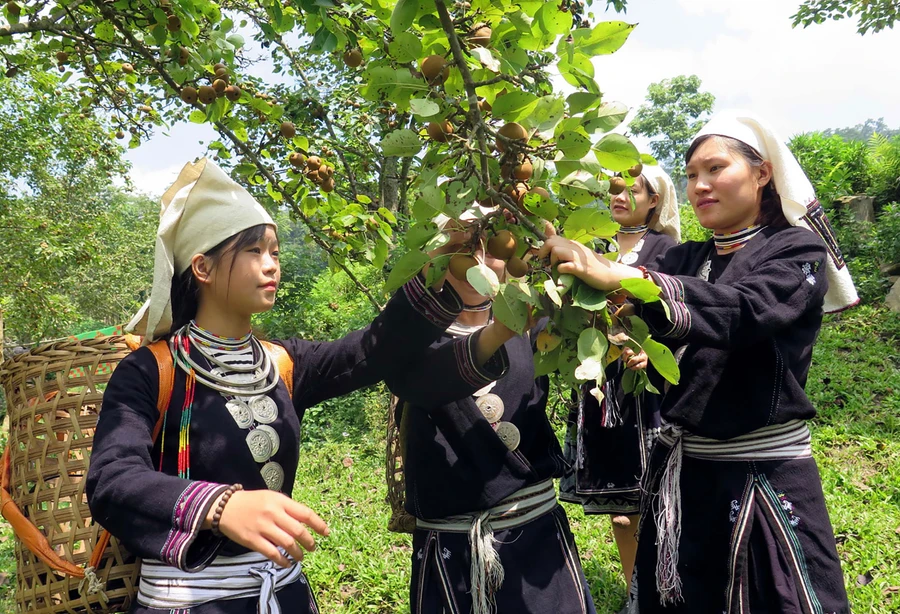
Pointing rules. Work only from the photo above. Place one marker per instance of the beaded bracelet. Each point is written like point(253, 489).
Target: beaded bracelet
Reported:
point(217, 516)
point(644, 272)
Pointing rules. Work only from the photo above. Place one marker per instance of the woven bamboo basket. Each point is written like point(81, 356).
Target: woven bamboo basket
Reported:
point(65, 562)
point(400, 521)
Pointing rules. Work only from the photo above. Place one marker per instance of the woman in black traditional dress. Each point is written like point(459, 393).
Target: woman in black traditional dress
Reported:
point(208, 504)
point(608, 442)
point(735, 519)
point(479, 458)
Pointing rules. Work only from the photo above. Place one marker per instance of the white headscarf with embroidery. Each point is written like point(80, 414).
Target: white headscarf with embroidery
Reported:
point(666, 219)
point(798, 200)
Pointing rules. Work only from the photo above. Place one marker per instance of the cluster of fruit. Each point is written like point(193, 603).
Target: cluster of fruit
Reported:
point(502, 246)
point(218, 87)
point(617, 185)
point(316, 170)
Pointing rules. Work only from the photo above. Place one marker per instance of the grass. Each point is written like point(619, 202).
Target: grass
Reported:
point(855, 383)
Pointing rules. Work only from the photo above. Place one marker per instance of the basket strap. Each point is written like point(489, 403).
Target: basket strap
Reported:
point(285, 364)
point(166, 366)
point(25, 530)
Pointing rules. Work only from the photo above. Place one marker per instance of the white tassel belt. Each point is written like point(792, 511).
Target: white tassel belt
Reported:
point(518, 509)
point(247, 575)
point(787, 441)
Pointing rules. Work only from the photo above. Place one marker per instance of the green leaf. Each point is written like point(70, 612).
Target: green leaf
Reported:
point(437, 269)
point(552, 20)
point(405, 269)
point(548, 112)
point(540, 206)
point(546, 363)
point(381, 253)
point(483, 279)
point(406, 47)
point(648, 159)
point(404, 15)
point(604, 38)
point(582, 101)
point(424, 108)
point(573, 144)
point(487, 59)
point(641, 289)
point(588, 222)
point(662, 360)
point(639, 329)
point(105, 31)
point(616, 153)
point(514, 105)
point(403, 142)
point(578, 70)
point(608, 116)
point(588, 297)
point(552, 292)
point(592, 343)
point(420, 234)
point(197, 116)
point(510, 310)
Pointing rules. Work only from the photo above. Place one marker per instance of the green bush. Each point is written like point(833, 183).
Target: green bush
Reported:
point(691, 230)
point(834, 166)
point(884, 169)
point(887, 233)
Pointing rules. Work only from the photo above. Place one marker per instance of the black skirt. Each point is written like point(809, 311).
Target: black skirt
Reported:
point(755, 537)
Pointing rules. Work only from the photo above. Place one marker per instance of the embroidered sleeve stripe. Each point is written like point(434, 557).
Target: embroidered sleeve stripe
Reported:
point(673, 295)
point(473, 375)
point(188, 516)
point(440, 308)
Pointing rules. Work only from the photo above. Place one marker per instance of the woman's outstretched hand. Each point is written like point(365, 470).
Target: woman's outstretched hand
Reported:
point(579, 260)
point(264, 521)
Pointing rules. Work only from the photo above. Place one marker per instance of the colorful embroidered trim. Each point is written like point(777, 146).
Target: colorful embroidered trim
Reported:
point(442, 310)
point(728, 242)
point(633, 230)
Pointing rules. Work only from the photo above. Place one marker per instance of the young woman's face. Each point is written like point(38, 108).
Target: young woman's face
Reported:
point(246, 282)
point(620, 206)
point(724, 190)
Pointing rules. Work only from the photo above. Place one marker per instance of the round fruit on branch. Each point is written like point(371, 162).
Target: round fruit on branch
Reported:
point(460, 265)
point(516, 267)
point(207, 94)
point(512, 131)
point(189, 94)
point(353, 58)
point(480, 36)
point(616, 185)
point(435, 69)
point(502, 245)
point(440, 131)
point(636, 170)
point(288, 130)
point(233, 93)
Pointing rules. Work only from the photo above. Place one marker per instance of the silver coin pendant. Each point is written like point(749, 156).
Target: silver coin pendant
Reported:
point(264, 409)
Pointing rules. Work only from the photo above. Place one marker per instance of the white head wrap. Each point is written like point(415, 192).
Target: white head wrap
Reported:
point(666, 218)
point(202, 208)
point(798, 200)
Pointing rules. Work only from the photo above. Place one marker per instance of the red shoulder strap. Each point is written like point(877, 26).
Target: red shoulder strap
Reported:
point(285, 364)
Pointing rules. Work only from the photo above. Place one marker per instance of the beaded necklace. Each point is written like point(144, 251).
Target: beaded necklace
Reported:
point(633, 230)
point(728, 242)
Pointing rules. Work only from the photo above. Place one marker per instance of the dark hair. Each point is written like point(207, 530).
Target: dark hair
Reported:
point(185, 291)
point(652, 192)
point(770, 210)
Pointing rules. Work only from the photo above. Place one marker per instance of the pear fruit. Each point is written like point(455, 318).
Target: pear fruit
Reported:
point(297, 159)
point(288, 130)
point(516, 267)
point(502, 245)
point(636, 170)
point(480, 37)
point(207, 94)
point(353, 58)
point(173, 23)
point(440, 131)
point(313, 163)
point(189, 94)
point(524, 171)
point(435, 69)
point(616, 185)
point(512, 131)
point(460, 264)
point(233, 93)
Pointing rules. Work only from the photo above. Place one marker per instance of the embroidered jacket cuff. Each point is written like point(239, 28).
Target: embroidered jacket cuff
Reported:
point(439, 307)
point(185, 548)
point(676, 323)
point(470, 372)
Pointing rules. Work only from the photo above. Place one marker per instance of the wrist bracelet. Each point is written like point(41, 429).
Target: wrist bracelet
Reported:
point(217, 516)
point(644, 272)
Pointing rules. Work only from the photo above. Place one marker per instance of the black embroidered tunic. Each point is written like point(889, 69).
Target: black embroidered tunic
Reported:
point(157, 515)
point(454, 463)
point(755, 535)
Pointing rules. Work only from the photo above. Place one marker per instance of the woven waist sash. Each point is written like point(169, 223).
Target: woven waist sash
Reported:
point(789, 441)
point(520, 508)
point(247, 575)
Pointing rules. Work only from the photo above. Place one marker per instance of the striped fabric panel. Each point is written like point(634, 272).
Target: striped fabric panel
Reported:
point(441, 309)
point(779, 442)
point(673, 295)
point(187, 518)
point(163, 587)
point(464, 350)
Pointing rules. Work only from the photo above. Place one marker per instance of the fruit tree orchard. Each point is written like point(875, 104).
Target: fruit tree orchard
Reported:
point(430, 108)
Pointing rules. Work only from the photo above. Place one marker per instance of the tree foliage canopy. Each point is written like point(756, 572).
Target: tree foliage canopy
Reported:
point(871, 15)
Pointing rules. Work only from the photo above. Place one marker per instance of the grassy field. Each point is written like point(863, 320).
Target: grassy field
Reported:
point(855, 382)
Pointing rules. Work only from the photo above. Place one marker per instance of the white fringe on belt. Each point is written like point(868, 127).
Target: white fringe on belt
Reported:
point(778, 442)
point(520, 508)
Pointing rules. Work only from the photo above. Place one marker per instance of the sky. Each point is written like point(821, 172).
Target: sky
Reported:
point(745, 52)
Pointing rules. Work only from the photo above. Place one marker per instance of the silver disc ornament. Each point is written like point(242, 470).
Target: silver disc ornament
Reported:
point(241, 413)
point(629, 258)
point(264, 409)
point(273, 436)
point(260, 445)
point(509, 434)
point(491, 407)
point(273, 475)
